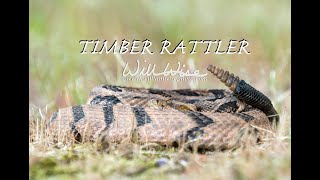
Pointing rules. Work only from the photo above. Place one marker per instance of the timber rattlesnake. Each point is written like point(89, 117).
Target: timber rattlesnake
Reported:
point(208, 119)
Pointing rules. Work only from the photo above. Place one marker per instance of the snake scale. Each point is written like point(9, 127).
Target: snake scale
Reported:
point(207, 119)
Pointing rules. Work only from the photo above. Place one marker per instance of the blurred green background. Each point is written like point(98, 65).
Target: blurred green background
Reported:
point(60, 76)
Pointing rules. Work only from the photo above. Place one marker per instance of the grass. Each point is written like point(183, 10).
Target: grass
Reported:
point(271, 160)
point(84, 163)
point(70, 160)
point(60, 77)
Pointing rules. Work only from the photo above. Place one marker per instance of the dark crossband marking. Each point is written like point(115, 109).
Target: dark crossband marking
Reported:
point(186, 92)
point(218, 93)
point(243, 116)
point(138, 97)
point(192, 101)
point(77, 112)
point(228, 107)
point(105, 100)
point(212, 99)
point(108, 114)
point(53, 117)
point(193, 133)
point(112, 88)
point(130, 96)
point(141, 115)
point(201, 121)
point(109, 102)
point(159, 92)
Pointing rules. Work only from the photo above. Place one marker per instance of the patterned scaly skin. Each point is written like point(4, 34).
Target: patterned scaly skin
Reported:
point(202, 119)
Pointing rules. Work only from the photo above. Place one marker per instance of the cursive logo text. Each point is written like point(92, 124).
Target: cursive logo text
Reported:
point(150, 70)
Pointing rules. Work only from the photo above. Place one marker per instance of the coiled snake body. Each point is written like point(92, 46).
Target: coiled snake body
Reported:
point(207, 119)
